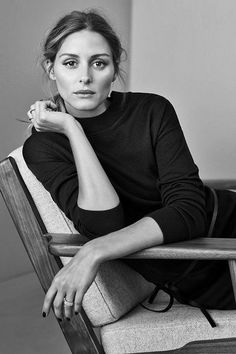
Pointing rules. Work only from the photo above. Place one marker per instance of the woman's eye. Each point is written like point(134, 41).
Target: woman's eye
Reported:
point(98, 64)
point(70, 64)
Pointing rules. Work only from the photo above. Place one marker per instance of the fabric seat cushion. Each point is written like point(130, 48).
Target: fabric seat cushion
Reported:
point(117, 288)
point(141, 331)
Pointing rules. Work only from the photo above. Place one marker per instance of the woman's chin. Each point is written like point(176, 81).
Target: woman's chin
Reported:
point(85, 109)
point(80, 109)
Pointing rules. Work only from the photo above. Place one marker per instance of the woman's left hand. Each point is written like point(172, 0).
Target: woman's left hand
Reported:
point(71, 283)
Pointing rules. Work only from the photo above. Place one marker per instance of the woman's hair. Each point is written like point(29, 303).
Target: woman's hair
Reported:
point(74, 22)
point(78, 21)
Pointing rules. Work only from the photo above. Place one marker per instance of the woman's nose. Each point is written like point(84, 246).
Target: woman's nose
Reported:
point(85, 75)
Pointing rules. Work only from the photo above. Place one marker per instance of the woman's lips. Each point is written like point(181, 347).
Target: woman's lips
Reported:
point(84, 92)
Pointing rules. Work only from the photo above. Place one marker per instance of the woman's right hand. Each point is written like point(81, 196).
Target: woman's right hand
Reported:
point(45, 117)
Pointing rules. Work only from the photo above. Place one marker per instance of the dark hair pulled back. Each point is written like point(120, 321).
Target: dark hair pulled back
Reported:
point(78, 21)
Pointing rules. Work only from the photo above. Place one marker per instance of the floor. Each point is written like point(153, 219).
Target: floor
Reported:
point(23, 329)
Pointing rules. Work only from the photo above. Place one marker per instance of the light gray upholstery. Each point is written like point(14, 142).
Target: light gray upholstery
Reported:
point(117, 291)
point(141, 330)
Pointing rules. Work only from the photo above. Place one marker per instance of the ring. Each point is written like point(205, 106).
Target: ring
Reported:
point(68, 303)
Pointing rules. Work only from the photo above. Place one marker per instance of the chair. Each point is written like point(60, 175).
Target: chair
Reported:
point(112, 321)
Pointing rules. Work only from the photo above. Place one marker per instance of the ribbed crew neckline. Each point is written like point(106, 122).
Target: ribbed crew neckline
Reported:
point(107, 118)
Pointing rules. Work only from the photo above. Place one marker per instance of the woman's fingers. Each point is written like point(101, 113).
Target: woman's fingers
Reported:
point(65, 303)
point(49, 105)
point(69, 286)
point(58, 305)
point(45, 117)
point(77, 303)
point(44, 106)
point(48, 300)
point(39, 107)
point(61, 297)
point(69, 305)
point(31, 112)
point(38, 112)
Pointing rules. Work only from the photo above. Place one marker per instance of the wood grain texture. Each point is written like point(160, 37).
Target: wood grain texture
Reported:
point(200, 248)
point(78, 332)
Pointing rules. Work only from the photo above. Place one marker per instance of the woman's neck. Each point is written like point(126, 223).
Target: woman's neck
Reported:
point(87, 113)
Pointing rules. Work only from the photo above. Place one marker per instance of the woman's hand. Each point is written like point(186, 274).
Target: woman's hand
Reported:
point(71, 283)
point(45, 117)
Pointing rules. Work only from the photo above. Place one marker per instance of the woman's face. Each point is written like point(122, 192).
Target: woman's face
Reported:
point(83, 71)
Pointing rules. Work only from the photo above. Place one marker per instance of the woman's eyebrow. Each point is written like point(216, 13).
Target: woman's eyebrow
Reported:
point(69, 55)
point(73, 55)
point(100, 55)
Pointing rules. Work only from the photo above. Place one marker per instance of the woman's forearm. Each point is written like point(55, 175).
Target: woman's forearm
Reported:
point(95, 189)
point(97, 193)
point(140, 235)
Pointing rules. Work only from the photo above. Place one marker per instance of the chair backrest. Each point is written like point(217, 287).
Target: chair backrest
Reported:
point(78, 333)
point(117, 288)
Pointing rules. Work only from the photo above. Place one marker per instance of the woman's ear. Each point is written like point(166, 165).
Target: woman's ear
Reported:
point(51, 74)
point(114, 77)
point(50, 70)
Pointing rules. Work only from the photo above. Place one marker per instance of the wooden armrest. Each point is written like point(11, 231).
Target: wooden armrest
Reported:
point(221, 183)
point(201, 248)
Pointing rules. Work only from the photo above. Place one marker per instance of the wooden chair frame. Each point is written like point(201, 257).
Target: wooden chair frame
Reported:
point(45, 249)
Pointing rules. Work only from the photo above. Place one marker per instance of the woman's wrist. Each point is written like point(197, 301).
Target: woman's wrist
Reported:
point(92, 252)
point(125, 241)
point(71, 125)
point(100, 248)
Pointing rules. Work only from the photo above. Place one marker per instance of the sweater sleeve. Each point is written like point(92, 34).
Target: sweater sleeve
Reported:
point(183, 215)
point(49, 157)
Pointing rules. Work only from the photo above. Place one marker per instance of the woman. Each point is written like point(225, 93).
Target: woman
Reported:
point(119, 167)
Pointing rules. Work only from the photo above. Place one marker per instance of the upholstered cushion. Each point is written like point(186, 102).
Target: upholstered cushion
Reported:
point(142, 331)
point(117, 288)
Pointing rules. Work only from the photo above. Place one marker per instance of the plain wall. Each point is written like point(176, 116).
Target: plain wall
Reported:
point(186, 51)
point(23, 24)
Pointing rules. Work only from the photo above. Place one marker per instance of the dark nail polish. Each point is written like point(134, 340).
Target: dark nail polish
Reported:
point(68, 319)
point(59, 319)
point(44, 314)
point(76, 313)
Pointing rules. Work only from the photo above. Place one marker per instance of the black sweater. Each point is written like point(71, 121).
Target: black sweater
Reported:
point(141, 147)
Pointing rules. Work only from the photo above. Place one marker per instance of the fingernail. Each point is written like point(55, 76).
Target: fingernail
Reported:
point(44, 314)
point(68, 319)
point(59, 319)
point(76, 313)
